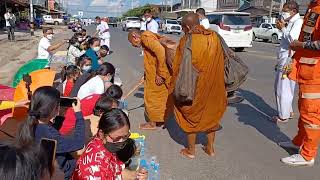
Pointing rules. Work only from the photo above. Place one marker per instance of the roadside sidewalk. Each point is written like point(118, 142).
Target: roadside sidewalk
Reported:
point(14, 54)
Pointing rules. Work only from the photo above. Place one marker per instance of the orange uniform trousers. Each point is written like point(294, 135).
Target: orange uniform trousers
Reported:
point(308, 137)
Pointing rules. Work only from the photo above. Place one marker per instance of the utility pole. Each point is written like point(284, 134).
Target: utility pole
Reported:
point(31, 19)
point(131, 4)
point(270, 13)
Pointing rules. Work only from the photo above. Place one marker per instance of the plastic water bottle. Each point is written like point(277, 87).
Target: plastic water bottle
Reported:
point(154, 169)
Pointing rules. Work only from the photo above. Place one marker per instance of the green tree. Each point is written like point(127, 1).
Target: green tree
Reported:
point(137, 12)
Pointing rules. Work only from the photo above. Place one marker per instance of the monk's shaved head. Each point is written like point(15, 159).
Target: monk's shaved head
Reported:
point(190, 20)
point(134, 37)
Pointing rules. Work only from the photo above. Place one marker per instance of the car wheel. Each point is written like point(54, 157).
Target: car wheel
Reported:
point(56, 23)
point(274, 39)
point(240, 49)
point(253, 37)
point(265, 40)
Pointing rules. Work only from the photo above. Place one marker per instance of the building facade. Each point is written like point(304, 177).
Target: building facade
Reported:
point(208, 5)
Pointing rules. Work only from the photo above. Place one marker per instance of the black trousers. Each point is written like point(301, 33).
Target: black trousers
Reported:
point(10, 30)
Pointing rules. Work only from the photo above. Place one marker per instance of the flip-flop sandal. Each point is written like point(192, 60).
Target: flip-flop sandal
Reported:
point(204, 148)
point(276, 119)
point(186, 154)
point(147, 127)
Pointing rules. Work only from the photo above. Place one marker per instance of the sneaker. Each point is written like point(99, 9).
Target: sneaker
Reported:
point(289, 145)
point(297, 160)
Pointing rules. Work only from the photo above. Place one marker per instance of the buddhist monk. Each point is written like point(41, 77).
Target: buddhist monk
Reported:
point(157, 76)
point(203, 112)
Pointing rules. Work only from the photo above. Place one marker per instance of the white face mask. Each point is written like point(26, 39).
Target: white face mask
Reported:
point(86, 67)
point(285, 15)
point(149, 19)
point(80, 39)
point(143, 19)
point(96, 49)
point(50, 36)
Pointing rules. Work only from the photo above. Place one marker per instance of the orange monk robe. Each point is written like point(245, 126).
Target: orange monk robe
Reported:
point(155, 97)
point(210, 99)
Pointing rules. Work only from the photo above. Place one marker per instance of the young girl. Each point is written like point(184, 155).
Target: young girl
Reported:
point(101, 80)
point(69, 75)
point(84, 63)
point(44, 107)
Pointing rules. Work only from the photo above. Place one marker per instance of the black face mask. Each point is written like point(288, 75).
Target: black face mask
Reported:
point(115, 147)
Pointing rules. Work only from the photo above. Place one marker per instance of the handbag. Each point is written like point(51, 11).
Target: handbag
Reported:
point(235, 70)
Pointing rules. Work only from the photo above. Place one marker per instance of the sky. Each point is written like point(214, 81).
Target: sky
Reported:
point(92, 8)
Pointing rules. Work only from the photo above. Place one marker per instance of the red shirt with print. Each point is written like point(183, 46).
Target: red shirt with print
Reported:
point(98, 163)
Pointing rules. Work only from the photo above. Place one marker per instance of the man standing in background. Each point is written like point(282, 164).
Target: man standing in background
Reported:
point(204, 21)
point(103, 32)
point(290, 25)
point(148, 24)
point(10, 23)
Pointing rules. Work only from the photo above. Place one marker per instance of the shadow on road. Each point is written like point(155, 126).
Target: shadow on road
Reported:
point(257, 114)
point(139, 95)
point(178, 135)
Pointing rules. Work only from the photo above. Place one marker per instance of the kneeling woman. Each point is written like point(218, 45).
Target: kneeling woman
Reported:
point(99, 161)
point(45, 106)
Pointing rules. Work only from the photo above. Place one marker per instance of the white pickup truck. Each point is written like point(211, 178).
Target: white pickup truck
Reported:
point(266, 32)
point(49, 20)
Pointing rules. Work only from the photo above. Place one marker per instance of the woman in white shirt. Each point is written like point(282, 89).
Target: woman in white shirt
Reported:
point(74, 50)
point(102, 79)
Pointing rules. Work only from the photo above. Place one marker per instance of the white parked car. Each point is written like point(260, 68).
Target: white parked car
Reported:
point(49, 20)
point(234, 27)
point(131, 23)
point(266, 32)
point(171, 26)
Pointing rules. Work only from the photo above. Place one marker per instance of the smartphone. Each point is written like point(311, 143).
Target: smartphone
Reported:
point(50, 147)
point(67, 101)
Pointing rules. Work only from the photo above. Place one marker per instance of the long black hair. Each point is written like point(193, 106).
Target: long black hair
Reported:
point(105, 69)
point(113, 120)
point(68, 71)
point(44, 102)
point(27, 162)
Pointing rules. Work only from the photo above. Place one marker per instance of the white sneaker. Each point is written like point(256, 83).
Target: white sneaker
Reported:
point(288, 144)
point(297, 160)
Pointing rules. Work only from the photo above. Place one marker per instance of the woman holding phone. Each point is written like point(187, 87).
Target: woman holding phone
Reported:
point(112, 137)
point(44, 107)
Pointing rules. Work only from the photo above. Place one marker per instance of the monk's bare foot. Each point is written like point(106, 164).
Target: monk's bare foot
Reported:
point(148, 126)
point(187, 153)
point(209, 151)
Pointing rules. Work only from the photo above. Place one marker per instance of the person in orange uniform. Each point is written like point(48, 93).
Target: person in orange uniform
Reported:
point(157, 76)
point(203, 49)
point(306, 71)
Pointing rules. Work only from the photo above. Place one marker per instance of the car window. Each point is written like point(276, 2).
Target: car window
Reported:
point(214, 18)
point(236, 19)
point(171, 22)
point(274, 26)
point(268, 26)
point(133, 19)
point(263, 26)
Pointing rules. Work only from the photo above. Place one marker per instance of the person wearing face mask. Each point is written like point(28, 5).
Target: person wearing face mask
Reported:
point(150, 23)
point(44, 107)
point(45, 49)
point(204, 21)
point(84, 63)
point(290, 24)
point(101, 80)
point(113, 135)
point(69, 76)
point(306, 72)
point(157, 77)
point(200, 99)
point(74, 49)
point(92, 52)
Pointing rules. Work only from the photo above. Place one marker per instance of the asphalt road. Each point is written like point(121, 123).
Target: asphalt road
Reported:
point(246, 148)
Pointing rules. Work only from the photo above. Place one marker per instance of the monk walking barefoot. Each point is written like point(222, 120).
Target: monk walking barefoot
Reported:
point(198, 84)
point(157, 76)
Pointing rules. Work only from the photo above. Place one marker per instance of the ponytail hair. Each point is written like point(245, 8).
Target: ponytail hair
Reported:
point(44, 102)
point(103, 70)
point(68, 71)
